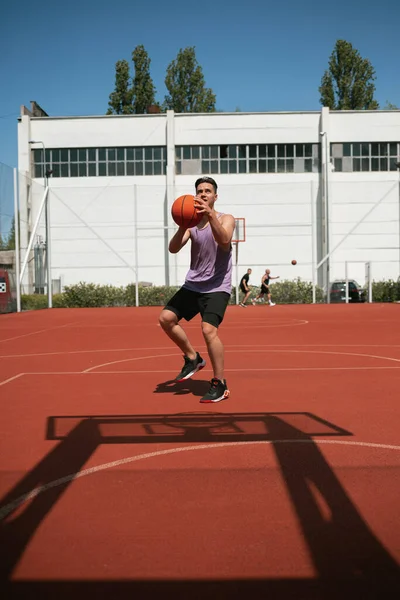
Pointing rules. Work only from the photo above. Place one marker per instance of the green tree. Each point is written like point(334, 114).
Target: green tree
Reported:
point(143, 90)
point(186, 85)
point(120, 102)
point(348, 83)
point(390, 106)
point(10, 243)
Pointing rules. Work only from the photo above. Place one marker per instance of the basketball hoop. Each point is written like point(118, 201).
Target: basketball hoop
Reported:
point(239, 234)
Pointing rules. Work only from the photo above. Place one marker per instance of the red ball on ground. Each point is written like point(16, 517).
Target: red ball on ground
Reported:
point(294, 262)
point(184, 212)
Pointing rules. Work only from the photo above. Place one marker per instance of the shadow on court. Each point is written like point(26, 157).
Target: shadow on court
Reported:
point(350, 560)
point(196, 387)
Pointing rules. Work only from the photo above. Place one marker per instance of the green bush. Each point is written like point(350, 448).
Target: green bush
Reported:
point(90, 295)
point(39, 301)
point(149, 295)
point(386, 291)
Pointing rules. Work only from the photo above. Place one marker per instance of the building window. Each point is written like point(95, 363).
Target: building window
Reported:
point(251, 158)
point(365, 156)
point(101, 162)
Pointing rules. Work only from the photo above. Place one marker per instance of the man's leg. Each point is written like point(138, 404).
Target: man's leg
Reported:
point(170, 324)
point(215, 349)
point(219, 388)
point(213, 307)
point(245, 296)
point(193, 362)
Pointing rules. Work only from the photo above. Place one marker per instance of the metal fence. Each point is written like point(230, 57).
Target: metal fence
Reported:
point(114, 233)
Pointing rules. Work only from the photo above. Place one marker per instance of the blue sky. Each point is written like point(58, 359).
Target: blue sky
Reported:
point(256, 55)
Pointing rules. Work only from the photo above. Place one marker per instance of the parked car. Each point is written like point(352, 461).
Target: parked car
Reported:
point(337, 291)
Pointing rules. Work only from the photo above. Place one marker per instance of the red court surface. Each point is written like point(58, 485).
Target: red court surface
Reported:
point(116, 482)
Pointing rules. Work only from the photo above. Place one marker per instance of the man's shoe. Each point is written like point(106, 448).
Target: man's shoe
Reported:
point(217, 392)
point(191, 367)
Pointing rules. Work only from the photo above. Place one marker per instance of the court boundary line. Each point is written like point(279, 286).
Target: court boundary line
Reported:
point(36, 332)
point(137, 349)
point(247, 352)
point(264, 369)
point(11, 506)
point(91, 370)
point(11, 379)
point(234, 324)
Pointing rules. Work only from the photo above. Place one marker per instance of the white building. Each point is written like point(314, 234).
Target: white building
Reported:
point(306, 183)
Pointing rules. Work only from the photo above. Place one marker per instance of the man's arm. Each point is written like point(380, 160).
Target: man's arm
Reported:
point(223, 229)
point(179, 240)
point(277, 277)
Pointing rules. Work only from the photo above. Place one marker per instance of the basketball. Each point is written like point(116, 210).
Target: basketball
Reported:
point(294, 262)
point(184, 212)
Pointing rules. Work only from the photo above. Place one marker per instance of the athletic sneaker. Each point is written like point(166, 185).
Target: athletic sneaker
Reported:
point(191, 367)
point(242, 305)
point(217, 392)
point(272, 303)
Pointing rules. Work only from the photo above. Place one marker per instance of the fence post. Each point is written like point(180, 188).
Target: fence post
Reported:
point(17, 250)
point(136, 246)
point(313, 269)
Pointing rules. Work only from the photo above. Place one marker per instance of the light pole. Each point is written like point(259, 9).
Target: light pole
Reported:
point(46, 174)
point(398, 167)
point(325, 176)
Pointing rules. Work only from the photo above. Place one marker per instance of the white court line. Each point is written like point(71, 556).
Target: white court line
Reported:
point(11, 379)
point(279, 322)
point(366, 368)
point(114, 362)
point(240, 370)
point(128, 359)
point(47, 373)
point(203, 347)
point(17, 337)
point(256, 325)
point(11, 506)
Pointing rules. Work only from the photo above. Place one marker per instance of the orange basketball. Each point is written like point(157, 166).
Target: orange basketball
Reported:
point(184, 213)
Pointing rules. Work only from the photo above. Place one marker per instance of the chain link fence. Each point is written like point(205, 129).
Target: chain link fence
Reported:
point(117, 233)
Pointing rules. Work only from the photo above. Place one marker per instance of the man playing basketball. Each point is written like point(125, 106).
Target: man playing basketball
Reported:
point(207, 288)
point(265, 279)
point(244, 286)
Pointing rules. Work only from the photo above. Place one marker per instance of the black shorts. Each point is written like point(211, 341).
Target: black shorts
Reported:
point(187, 304)
point(264, 289)
point(243, 289)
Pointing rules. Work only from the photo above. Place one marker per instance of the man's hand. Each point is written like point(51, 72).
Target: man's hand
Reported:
point(202, 206)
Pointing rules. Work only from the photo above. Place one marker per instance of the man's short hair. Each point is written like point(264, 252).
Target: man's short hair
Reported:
point(206, 180)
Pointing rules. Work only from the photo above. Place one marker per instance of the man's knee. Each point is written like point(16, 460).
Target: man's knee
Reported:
point(167, 319)
point(209, 331)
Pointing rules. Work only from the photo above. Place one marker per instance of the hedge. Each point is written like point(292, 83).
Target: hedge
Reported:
point(91, 295)
point(386, 291)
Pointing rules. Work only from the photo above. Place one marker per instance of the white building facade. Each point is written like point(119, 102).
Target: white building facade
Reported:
point(308, 184)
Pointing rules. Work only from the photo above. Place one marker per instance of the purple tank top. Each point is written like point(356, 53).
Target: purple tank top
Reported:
point(210, 267)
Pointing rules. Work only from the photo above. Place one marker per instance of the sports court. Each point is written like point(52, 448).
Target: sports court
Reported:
point(116, 481)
